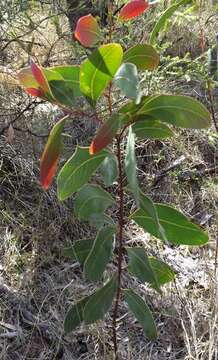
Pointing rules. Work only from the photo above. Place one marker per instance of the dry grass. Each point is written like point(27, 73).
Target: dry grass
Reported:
point(38, 284)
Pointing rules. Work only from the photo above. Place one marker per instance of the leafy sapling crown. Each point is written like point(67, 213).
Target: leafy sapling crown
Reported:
point(109, 68)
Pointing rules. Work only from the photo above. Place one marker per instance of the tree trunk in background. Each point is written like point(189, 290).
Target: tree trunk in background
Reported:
point(75, 10)
point(78, 8)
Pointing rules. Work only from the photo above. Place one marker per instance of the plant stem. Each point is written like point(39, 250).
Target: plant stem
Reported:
point(120, 244)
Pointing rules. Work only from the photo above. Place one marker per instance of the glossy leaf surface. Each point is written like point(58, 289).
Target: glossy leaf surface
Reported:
point(77, 171)
point(105, 134)
point(74, 316)
point(79, 250)
point(151, 129)
point(141, 312)
point(160, 24)
point(109, 169)
point(91, 199)
point(144, 56)
point(133, 8)
point(140, 267)
point(50, 156)
point(100, 302)
point(177, 228)
point(100, 253)
point(178, 110)
point(87, 31)
point(98, 70)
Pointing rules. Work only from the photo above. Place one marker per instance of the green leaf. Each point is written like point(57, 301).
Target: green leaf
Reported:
point(130, 165)
point(151, 129)
point(79, 250)
point(77, 171)
point(64, 83)
point(69, 73)
point(100, 253)
point(140, 267)
point(177, 228)
point(144, 56)
point(126, 79)
point(178, 110)
point(63, 92)
point(160, 24)
point(100, 302)
point(147, 204)
point(109, 169)
point(141, 312)
point(163, 272)
point(74, 315)
point(99, 220)
point(98, 70)
point(91, 199)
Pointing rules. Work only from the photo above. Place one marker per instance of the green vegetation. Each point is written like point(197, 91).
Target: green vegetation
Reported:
point(136, 163)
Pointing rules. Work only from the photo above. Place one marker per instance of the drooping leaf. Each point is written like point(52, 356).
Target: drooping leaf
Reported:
point(178, 110)
point(126, 79)
point(79, 250)
point(160, 24)
point(51, 153)
point(98, 70)
point(150, 129)
point(133, 8)
point(109, 169)
point(77, 171)
point(74, 316)
point(140, 267)
point(91, 199)
point(141, 312)
point(105, 134)
point(100, 253)
point(130, 165)
point(177, 228)
point(163, 272)
point(87, 31)
point(144, 56)
point(100, 302)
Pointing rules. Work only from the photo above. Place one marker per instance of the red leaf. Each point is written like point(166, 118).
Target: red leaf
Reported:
point(35, 92)
point(51, 153)
point(105, 135)
point(39, 77)
point(133, 8)
point(87, 31)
